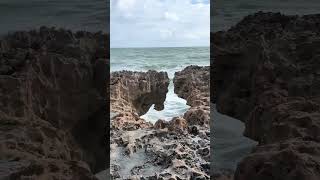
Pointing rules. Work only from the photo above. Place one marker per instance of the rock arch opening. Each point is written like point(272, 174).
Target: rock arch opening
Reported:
point(138, 146)
point(174, 106)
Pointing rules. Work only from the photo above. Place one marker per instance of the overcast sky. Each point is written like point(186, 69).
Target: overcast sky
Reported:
point(159, 23)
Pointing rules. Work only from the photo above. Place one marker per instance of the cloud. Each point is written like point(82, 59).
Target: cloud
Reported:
point(200, 1)
point(126, 5)
point(171, 16)
point(159, 23)
point(166, 33)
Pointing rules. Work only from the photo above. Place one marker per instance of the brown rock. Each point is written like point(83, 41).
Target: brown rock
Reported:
point(129, 121)
point(199, 115)
point(136, 92)
point(266, 73)
point(193, 84)
point(48, 97)
point(161, 124)
point(177, 124)
point(291, 159)
point(132, 95)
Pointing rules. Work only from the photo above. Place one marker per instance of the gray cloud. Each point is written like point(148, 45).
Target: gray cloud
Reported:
point(159, 23)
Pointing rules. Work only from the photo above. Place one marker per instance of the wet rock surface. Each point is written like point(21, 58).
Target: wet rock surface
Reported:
point(136, 92)
point(266, 73)
point(149, 153)
point(52, 86)
point(175, 149)
point(132, 94)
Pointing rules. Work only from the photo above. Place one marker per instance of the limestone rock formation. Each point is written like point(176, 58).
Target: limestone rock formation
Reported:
point(133, 93)
point(53, 104)
point(178, 125)
point(161, 124)
point(136, 92)
point(158, 154)
point(175, 149)
point(129, 121)
point(294, 158)
point(193, 85)
point(199, 115)
point(266, 73)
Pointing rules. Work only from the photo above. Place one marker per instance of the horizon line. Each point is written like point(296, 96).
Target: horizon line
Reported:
point(156, 47)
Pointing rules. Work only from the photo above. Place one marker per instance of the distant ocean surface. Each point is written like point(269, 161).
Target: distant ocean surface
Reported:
point(170, 60)
point(89, 15)
point(94, 15)
point(227, 13)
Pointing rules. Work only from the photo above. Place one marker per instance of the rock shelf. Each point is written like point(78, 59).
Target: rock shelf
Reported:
point(179, 148)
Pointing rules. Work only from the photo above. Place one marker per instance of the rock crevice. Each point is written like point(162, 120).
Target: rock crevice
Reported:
point(51, 86)
point(266, 73)
point(178, 149)
point(136, 92)
point(133, 93)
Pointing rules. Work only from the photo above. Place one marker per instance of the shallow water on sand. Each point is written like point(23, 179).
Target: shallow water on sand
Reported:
point(228, 145)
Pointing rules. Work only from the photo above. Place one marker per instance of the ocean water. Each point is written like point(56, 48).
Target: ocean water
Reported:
point(228, 145)
point(86, 15)
point(93, 15)
point(226, 13)
point(170, 60)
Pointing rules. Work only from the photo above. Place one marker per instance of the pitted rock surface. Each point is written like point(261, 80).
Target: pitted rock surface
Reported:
point(193, 85)
point(159, 154)
point(266, 73)
point(175, 149)
point(52, 84)
point(133, 93)
point(136, 92)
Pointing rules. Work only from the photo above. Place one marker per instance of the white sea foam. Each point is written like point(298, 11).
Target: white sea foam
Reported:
point(173, 107)
point(169, 60)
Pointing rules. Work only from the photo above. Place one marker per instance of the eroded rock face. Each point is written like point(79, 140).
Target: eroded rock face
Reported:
point(178, 124)
point(291, 159)
point(193, 85)
point(129, 121)
point(175, 149)
point(52, 87)
point(199, 115)
point(158, 154)
point(266, 73)
point(133, 93)
point(136, 92)
point(161, 124)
